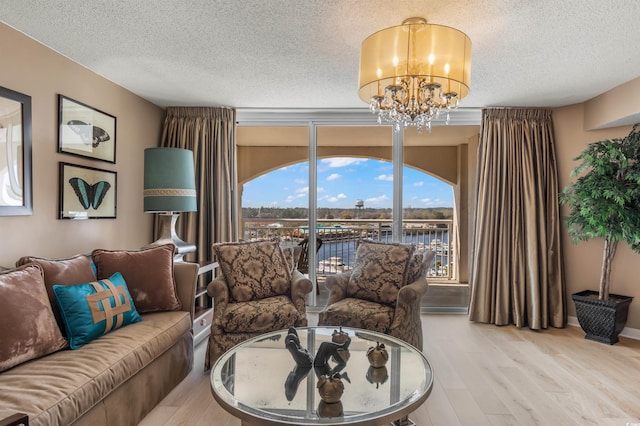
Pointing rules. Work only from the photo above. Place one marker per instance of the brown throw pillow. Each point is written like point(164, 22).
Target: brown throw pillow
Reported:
point(28, 329)
point(148, 274)
point(253, 270)
point(69, 271)
point(379, 271)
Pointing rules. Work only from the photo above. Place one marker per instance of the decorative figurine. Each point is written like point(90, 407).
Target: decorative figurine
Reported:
point(377, 375)
point(328, 350)
point(378, 355)
point(293, 381)
point(330, 388)
point(339, 337)
point(330, 410)
point(300, 355)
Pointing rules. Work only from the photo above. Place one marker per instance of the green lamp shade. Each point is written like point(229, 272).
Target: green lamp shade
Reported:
point(169, 181)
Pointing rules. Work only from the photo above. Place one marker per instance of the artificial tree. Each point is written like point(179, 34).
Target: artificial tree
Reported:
point(604, 200)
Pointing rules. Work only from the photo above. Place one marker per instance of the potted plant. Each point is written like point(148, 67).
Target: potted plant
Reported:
point(604, 202)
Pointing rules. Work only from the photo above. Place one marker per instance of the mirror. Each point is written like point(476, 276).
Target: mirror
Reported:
point(15, 153)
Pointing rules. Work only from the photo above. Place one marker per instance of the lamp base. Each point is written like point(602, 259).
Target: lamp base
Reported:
point(167, 231)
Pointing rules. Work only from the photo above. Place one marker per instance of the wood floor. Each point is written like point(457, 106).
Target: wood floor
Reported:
point(484, 375)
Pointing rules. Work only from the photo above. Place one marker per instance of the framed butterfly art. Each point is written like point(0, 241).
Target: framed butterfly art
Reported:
point(86, 131)
point(87, 192)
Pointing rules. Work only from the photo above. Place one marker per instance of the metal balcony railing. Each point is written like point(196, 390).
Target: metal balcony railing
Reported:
point(339, 237)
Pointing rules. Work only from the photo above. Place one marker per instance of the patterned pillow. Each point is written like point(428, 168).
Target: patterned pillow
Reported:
point(253, 270)
point(28, 329)
point(379, 270)
point(148, 273)
point(419, 265)
point(92, 309)
point(73, 270)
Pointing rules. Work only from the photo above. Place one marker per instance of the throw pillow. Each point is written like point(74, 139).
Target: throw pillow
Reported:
point(92, 309)
point(253, 270)
point(69, 271)
point(148, 273)
point(28, 329)
point(379, 270)
point(419, 265)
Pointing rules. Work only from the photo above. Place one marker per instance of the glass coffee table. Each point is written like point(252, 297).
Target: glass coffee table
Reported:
point(259, 382)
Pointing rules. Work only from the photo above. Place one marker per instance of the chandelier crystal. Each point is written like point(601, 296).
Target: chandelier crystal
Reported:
point(412, 73)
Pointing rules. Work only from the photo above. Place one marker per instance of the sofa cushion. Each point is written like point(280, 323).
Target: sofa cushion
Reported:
point(358, 313)
point(148, 274)
point(379, 271)
point(253, 270)
point(59, 388)
point(260, 316)
point(28, 329)
point(93, 309)
point(419, 265)
point(68, 271)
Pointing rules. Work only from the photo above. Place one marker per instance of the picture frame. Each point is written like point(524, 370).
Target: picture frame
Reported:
point(15, 154)
point(86, 192)
point(86, 131)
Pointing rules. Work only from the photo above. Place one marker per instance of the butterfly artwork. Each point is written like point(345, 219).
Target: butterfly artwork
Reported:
point(81, 129)
point(89, 196)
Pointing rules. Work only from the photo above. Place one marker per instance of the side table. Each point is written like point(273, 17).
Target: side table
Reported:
point(204, 305)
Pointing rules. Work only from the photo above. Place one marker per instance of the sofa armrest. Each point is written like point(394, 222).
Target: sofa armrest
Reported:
point(17, 419)
point(337, 285)
point(186, 276)
point(300, 287)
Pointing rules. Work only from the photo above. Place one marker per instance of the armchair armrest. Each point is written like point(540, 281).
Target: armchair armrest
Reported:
point(406, 323)
point(337, 285)
point(300, 287)
point(185, 276)
point(218, 290)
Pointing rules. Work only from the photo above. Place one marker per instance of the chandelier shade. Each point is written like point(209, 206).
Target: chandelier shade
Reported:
point(411, 73)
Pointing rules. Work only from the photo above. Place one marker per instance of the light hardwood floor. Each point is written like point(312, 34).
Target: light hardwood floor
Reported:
point(484, 375)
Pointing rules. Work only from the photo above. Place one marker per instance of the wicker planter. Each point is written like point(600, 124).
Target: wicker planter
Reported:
point(601, 320)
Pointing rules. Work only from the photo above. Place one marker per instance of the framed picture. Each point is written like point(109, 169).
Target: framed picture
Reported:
point(87, 192)
point(15, 153)
point(86, 131)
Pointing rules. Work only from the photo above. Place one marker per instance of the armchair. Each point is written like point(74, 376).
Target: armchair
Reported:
point(382, 293)
point(256, 293)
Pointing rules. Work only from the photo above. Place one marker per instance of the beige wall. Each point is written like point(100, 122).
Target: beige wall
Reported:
point(582, 261)
point(35, 70)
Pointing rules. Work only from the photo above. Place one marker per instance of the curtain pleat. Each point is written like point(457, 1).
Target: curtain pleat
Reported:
point(516, 271)
point(210, 133)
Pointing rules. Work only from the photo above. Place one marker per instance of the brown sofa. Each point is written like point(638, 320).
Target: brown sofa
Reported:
point(115, 379)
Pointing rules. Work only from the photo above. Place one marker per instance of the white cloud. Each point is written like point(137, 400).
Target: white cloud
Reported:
point(333, 176)
point(376, 200)
point(341, 162)
point(304, 190)
point(421, 183)
point(332, 199)
point(388, 178)
point(299, 181)
point(342, 196)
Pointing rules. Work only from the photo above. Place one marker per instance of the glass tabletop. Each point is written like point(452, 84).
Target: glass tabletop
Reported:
point(260, 382)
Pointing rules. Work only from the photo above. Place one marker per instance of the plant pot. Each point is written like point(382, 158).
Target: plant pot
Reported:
point(601, 320)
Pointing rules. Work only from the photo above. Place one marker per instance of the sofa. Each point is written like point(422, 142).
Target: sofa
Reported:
point(57, 369)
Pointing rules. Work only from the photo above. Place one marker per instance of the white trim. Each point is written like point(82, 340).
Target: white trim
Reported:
point(631, 333)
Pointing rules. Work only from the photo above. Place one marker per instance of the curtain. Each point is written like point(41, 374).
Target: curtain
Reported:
point(517, 275)
point(210, 134)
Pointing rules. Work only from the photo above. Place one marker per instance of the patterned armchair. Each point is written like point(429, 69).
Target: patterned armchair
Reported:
point(256, 293)
point(382, 292)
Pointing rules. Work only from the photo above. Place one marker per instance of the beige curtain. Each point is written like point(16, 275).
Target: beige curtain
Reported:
point(210, 134)
point(517, 275)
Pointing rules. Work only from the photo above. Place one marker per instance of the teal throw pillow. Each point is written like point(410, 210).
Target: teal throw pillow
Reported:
point(92, 309)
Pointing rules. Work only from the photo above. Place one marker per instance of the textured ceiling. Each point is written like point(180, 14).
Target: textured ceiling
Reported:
point(304, 53)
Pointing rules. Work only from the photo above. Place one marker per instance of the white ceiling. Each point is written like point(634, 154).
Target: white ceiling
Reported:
point(305, 53)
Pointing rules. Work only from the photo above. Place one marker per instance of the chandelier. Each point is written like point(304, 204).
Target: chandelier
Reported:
point(412, 73)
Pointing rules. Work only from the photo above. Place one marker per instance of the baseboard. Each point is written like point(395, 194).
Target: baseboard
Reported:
point(632, 333)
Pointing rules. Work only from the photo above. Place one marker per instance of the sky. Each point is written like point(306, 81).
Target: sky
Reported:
point(342, 182)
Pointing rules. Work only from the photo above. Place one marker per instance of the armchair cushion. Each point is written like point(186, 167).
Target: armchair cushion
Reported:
point(254, 270)
point(379, 271)
point(260, 316)
point(370, 315)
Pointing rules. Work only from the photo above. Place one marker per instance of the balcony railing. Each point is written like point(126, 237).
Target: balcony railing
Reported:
point(339, 237)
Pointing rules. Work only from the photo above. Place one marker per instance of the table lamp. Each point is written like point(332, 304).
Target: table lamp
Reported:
point(169, 188)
